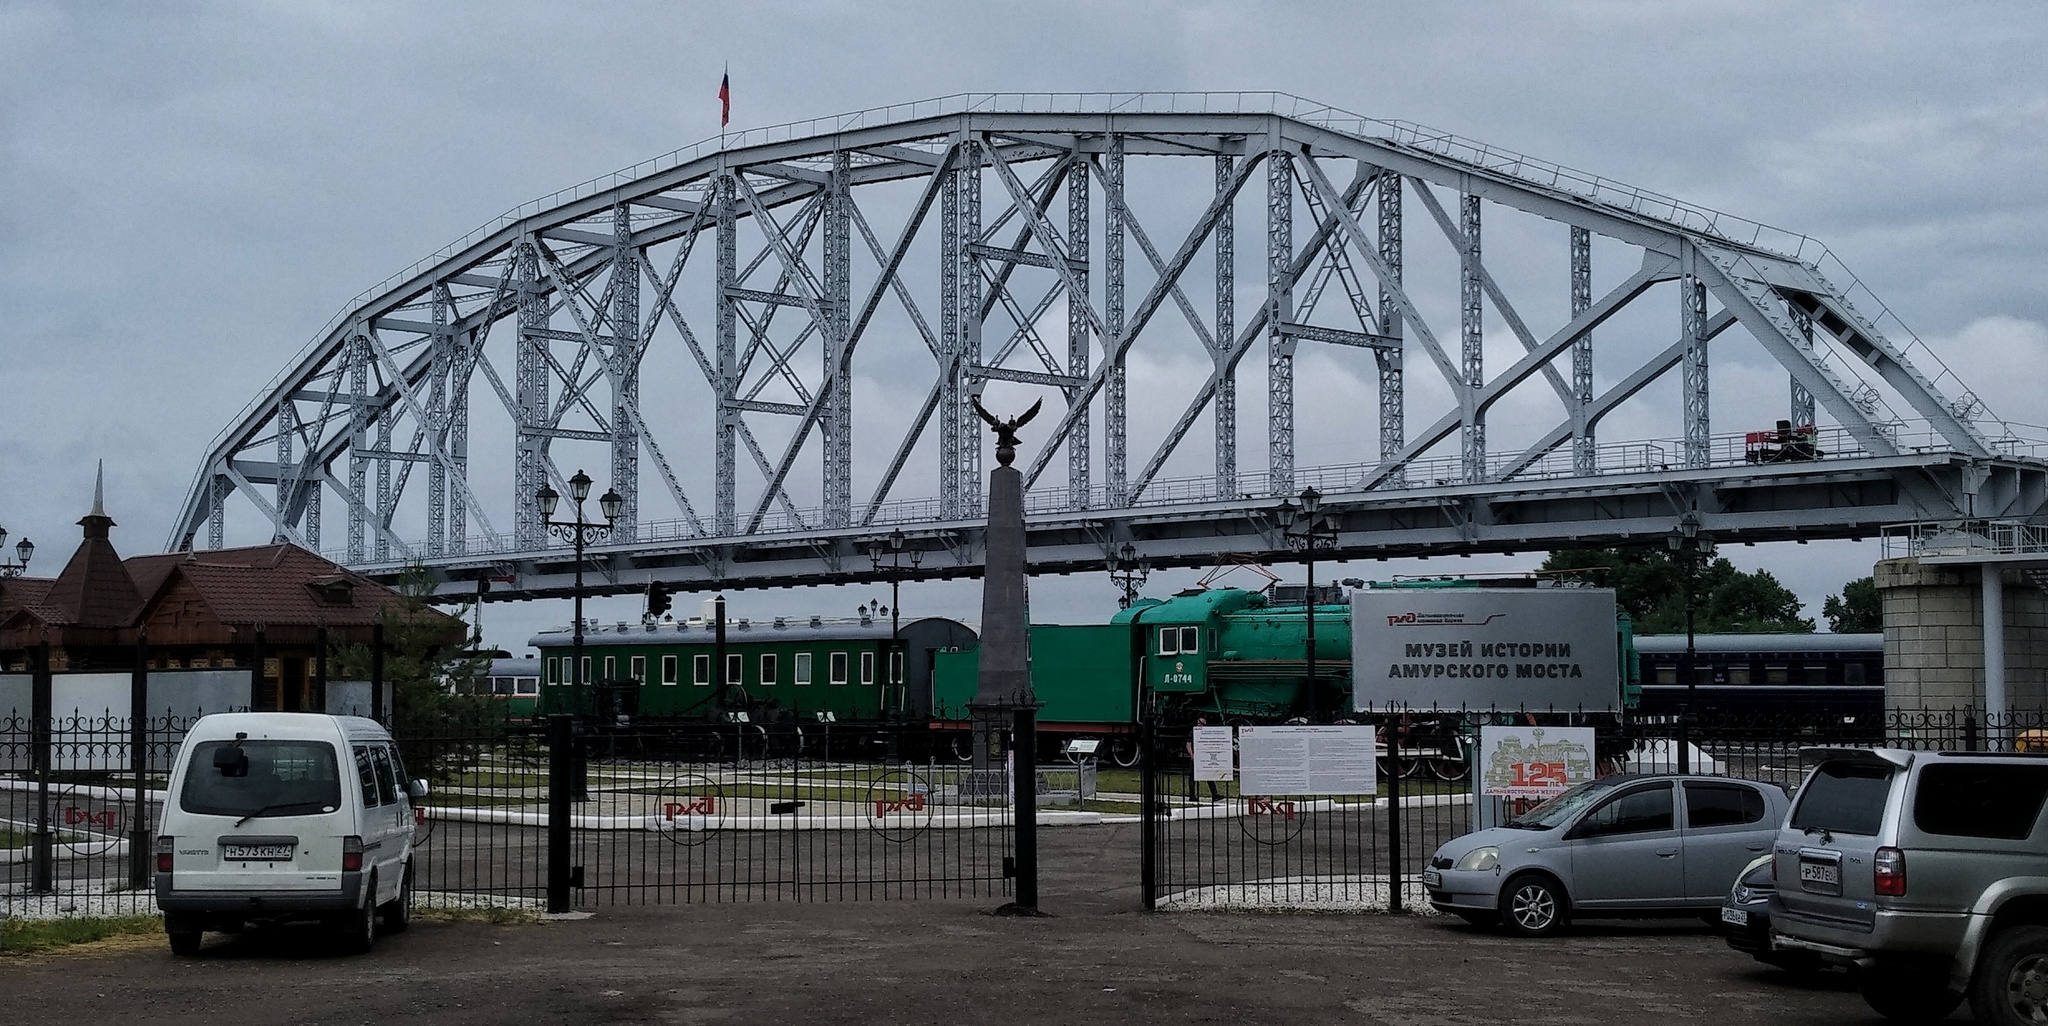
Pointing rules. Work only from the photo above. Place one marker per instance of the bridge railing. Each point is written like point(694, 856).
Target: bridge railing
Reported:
point(1654, 456)
point(1983, 537)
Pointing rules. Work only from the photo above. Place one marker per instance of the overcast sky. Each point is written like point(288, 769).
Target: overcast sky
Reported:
point(188, 192)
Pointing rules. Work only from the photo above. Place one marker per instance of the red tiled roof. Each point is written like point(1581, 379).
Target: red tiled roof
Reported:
point(94, 590)
point(281, 585)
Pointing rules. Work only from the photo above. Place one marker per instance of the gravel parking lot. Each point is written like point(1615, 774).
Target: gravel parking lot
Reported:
point(1094, 960)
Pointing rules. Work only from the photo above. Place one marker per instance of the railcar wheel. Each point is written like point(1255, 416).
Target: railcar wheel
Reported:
point(1452, 770)
point(1124, 752)
point(962, 747)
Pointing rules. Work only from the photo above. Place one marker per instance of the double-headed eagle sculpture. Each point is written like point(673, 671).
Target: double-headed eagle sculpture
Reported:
point(1006, 430)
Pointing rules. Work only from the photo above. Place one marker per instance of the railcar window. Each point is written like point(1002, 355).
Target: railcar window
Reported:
point(1169, 641)
point(838, 668)
point(768, 668)
point(528, 686)
point(668, 670)
point(501, 685)
point(1777, 673)
point(1816, 673)
point(732, 667)
point(801, 667)
point(1667, 673)
point(611, 667)
point(867, 667)
point(549, 674)
point(586, 670)
point(895, 667)
point(700, 670)
point(1190, 640)
point(1738, 673)
point(1853, 674)
point(639, 669)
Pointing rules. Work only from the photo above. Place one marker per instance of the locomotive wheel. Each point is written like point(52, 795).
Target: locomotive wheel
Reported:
point(962, 747)
point(1123, 751)
point(1452, 770)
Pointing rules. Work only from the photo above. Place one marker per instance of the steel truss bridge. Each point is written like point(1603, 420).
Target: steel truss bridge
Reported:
point(698, 330)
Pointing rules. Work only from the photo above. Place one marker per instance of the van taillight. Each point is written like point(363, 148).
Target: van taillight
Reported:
point(165, 848)
point(351, 854)
point(1888, 873)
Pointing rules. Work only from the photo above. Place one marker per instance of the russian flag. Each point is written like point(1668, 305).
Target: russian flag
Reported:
point(725, 100)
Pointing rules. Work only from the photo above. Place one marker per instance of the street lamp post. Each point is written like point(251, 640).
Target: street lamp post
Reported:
point(1129, 572)
point(894, 563)
point(579, 533)
point(24, 549)
point(1306, 527)
point(1686, 542)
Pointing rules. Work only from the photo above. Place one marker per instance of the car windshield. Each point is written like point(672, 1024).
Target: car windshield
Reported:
point(284, 778)
point(1844, 797)
point(1554, 812)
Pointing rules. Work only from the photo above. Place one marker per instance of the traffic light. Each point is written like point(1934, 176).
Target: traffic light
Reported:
point(657, 599)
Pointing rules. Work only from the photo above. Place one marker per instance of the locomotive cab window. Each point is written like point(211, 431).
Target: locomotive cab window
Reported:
point(768, 668)
point(1169, 641)
point(1190, 640)
point(838, 668)
point(668, 670)
point(700, 670)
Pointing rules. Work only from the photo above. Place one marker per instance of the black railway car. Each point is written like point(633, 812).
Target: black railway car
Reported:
point(1834, 674)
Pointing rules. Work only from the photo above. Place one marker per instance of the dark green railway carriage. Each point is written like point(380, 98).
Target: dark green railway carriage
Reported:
point(850, 669)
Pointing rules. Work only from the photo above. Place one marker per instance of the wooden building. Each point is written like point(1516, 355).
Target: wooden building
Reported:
point(270, 606)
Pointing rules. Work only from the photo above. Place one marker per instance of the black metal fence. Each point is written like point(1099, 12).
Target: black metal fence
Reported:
point(657, 813)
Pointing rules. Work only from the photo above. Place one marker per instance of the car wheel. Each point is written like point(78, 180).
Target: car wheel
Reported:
point(1907, 997)
point(1533, 906)
point(397, 913)
point(2011, 982)
point(185, 942)
point(359, 927)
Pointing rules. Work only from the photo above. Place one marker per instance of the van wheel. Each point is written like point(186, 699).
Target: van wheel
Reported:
point(185, 942)
point(397, 912)
point(1533, 906)
point(2010, 985)
point(1909, 997)
point(359, 927)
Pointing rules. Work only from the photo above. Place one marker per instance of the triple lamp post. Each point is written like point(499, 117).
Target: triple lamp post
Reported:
point(578, 532)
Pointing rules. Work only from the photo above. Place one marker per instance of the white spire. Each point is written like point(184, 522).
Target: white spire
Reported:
point(99, 490)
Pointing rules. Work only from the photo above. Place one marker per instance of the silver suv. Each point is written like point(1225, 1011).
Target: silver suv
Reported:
point(1928, 871)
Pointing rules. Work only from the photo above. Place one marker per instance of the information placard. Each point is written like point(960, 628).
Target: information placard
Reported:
point(1533, 762)
point(1307, 760)
point(1213, 754)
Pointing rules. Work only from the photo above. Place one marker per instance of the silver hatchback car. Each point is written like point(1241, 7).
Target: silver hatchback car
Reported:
point(1624, 845)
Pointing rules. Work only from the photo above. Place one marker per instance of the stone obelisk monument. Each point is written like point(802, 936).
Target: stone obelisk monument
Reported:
point(1005, 681)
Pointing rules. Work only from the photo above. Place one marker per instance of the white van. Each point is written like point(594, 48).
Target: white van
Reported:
point(273, 816)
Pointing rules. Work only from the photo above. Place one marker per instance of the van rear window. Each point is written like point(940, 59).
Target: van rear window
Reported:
point(1844, 798)
point(285, 778)
point(1990, 801)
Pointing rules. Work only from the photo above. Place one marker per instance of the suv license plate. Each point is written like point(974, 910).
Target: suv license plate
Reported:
point(1821, 876)
point(258, 853)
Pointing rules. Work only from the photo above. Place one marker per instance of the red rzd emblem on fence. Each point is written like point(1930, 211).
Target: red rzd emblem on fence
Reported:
point(1268, 807)
point(911, 803)
point(705, 806)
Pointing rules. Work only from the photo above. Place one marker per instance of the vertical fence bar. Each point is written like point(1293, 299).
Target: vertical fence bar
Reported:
point(1148, 810)
point(1394, 887)
point(377, 710)
point(40, 712)
point(560, 738)
point(138, 760)
point(1024, 750)
point(256, 657)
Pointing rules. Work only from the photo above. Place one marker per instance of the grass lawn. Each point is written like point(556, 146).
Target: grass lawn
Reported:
point(28, 936)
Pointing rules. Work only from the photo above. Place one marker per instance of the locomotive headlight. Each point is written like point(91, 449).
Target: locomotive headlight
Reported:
point(1479, 860)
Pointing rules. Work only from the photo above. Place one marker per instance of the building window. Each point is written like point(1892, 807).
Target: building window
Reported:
point(1190, 640)
point(700, 671)
point(867, 667)
point(838, 668)
point(768, 668)
point(1169, 641)
point(732, 668)
point(668, 670)
point(639, 671)
point(802, 668)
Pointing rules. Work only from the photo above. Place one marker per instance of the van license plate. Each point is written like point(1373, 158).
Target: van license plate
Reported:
point(258, 853)
point(1821, 876)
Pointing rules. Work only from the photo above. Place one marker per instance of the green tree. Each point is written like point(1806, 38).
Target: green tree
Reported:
point(437, 711)
point(1856, 610)
point(1649, 585)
